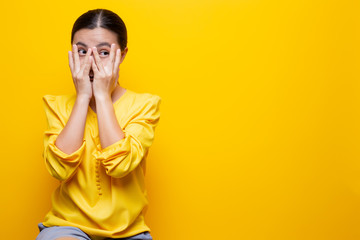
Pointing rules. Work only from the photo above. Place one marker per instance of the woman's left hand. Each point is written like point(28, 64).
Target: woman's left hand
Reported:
point(105, 76)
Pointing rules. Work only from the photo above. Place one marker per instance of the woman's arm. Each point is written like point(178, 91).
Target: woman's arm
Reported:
point(125, 155)
point(64, 141)
point(105, 79)
point(109, 128)
point(71, 137)
point(122, 150)
point(60, 165)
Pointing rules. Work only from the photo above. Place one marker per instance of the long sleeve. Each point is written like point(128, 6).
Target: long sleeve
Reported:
point(59, 164)
point(125, 155)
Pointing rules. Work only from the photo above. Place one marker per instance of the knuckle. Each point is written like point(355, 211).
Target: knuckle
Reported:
point(78, 76)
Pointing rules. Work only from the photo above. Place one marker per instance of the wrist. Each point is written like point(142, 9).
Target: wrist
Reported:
point(83, 98)
point(102, 97)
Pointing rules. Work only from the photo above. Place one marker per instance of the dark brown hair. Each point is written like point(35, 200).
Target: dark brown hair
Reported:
point(105, 19)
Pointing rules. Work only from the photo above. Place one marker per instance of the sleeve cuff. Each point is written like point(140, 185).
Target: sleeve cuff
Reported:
point(74, 156)
point(118, 148)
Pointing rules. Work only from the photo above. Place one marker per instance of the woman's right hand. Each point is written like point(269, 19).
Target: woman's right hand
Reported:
point(80, 72)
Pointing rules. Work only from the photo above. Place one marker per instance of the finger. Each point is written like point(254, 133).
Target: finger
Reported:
point(94, 67)
point(86, 62)
point(71, 61)
point(98, 60)
point(76, 58)
point(112, 55)
point(117, 61)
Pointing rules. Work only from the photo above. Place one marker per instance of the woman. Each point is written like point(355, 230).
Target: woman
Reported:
point(98, 139)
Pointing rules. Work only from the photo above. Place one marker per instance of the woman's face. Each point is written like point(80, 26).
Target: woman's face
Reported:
point(100, 38)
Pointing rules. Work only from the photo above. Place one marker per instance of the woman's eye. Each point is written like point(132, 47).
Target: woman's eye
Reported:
point(104, 53)
point(82, 52)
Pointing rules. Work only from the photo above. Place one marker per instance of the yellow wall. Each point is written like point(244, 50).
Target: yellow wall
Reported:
point(259, 132)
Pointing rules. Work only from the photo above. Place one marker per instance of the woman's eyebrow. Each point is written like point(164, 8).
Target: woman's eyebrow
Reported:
point(99, 45)
point(104, 44)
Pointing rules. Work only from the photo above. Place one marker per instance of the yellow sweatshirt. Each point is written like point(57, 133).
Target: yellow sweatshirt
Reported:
point(101, 191)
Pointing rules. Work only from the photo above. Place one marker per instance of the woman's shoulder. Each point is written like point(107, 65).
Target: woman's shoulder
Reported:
point(141, 98)
point(59, 102)
point(140, 104)
point(58, 98)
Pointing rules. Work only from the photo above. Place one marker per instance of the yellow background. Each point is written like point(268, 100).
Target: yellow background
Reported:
point(259, 130)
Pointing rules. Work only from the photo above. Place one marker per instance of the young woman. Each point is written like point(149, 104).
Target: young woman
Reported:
point(98, 139)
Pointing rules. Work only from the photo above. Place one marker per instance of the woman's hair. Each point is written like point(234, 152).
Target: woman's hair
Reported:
point(105, 19)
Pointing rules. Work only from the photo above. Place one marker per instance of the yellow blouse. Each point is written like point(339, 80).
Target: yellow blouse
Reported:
point(101, 191)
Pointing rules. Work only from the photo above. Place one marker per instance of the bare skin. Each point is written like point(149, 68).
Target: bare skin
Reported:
point(95, 73)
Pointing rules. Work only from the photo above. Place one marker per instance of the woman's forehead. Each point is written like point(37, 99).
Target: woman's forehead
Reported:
point(95, 37)
point(101, 44)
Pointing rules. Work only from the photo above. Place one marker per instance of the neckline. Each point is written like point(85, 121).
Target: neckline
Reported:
point(115, 103)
